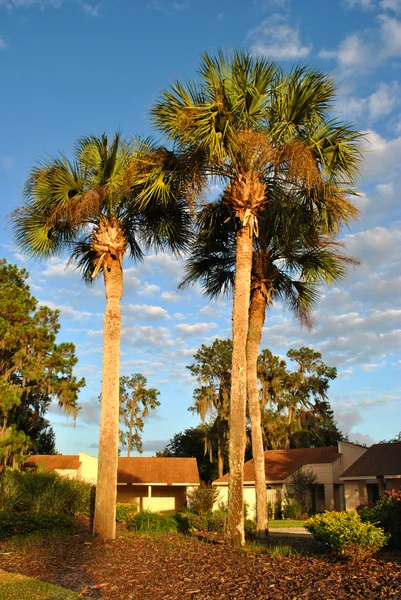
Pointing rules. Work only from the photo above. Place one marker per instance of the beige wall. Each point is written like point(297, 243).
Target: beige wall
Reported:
point(349, 454)
point(71, 473)
point(393, 484)
point(158, 498)
point(88, 468)
point(355, 493)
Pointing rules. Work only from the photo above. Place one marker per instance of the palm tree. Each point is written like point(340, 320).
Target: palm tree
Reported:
point(250, 123)
point(291, 256)
point(110, 199)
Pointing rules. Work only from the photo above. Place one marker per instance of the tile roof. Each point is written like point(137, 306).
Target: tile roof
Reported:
point(378, 460)
point(280, 464)
point(50, 462)
point(157, 470)
point(130, 470)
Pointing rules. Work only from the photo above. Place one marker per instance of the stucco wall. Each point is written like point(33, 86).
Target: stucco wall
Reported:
point(349, 454)
point(161, 499)
point(71, 473)
point(88, 468)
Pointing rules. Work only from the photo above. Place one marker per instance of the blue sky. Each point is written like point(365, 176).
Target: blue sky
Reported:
point(75, 67)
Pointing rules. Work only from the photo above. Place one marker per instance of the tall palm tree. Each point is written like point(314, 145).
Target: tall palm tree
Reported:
point(112, 198)
point(249, 123)
point(291, 256)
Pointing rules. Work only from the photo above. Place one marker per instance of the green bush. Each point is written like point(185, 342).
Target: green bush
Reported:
point(385, 513)
point(207, 521)
point(125, 511)
point(147, 521)
point(345, 534)
point(47, 493)
point(250, 527)
point(290, 509)
point(202, 498)
point(13, 523)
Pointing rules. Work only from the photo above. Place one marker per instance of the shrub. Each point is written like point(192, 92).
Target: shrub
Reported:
point(290, 509)
point(125, 511)
point(46, 493)
point(202, 498)
point(13, 523)
point(250, 527)
point(386, 513)
point(278, 509)
point(345, 534)
point(300, 487)
point(147, 521)
point(207, 521)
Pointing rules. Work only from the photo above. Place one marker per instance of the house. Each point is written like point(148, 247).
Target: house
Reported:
point(327, 463)
point(157, 484)
point(378, 469)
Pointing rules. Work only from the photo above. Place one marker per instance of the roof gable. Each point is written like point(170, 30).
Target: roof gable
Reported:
point(377, 461)
point(280, 464)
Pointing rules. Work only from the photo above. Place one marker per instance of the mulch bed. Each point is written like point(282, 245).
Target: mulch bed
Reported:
point(174, 566)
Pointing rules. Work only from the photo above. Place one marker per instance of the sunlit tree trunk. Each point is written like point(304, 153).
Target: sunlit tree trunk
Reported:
point(243, 267)
point(104, 524)
point(256, 319)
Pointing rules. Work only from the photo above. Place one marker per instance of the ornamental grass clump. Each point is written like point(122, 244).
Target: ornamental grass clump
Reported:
point(346, 535)
point(125, 511)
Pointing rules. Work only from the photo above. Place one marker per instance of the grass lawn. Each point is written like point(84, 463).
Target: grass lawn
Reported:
point(14, 586)
point(286, 523)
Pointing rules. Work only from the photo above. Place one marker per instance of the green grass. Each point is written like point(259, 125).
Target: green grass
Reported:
point(14, 586)
point(286, 523)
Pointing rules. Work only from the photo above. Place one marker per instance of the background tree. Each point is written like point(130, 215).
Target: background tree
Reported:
point(295, 411)
point(213, 372)
point(252, 123)
point(112, 198)
point(191, 443)
point(136, 401)
point(34, 370)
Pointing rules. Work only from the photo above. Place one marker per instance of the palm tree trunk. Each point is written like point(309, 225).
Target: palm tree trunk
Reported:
point(243, 267)
point(220, 447)
point(104, 524)
point(256, 319)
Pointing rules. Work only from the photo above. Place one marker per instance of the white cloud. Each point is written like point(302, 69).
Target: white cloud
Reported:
point(68, 311)
point(372, 367)
point(2, 42)
point(170, 296)
point(145, 312)
point(147, 289)
point(363, 4)
point(394, 5)
point(383, 100)
point(374, 247)
point(10, 4)
point(188, 330)
point(92, 11)
point(6, 161)
point(277, 39)
point(368, 48)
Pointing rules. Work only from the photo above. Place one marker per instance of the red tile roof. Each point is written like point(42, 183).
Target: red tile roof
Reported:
point(280, 464)
point(378, 460)
point(50, 462)
point(157, 470)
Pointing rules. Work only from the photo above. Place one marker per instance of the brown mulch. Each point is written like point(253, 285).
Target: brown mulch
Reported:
point(176, 567)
